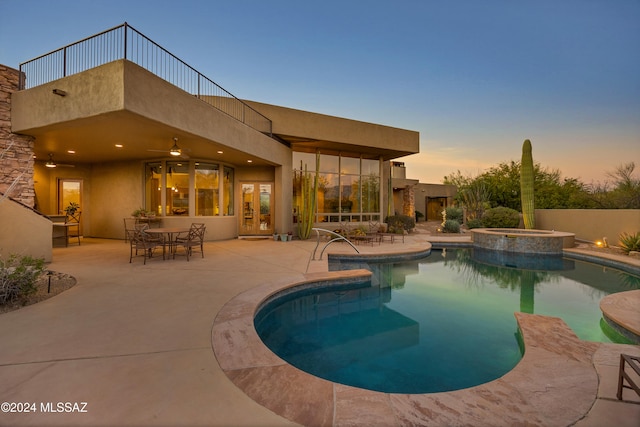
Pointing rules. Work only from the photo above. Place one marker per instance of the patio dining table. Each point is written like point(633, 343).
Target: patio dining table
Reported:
point(167, 234)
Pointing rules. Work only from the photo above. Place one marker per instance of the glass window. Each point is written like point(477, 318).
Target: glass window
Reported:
point(370, 193)
point(302, 159)
point(350, 194)
point(181, 180)
point(370, 167)
point(227, 192)
point(153, 187)
point(207, 189)
point(328, 193)
point(328, 163)
point(350, 165)
point(349, 187)
point(177, 188)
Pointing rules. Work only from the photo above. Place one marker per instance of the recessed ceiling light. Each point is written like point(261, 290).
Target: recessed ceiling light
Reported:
point(119, 145)
point(249, 161)
point(71, 151)
point(220, 151)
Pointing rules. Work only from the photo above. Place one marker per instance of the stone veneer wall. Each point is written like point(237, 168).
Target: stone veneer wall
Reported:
point(409, 201)
point(16, 151)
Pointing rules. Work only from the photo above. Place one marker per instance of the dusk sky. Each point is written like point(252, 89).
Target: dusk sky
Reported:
point(474, 77)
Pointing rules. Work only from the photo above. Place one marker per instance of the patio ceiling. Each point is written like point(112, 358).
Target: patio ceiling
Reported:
point(94, 140)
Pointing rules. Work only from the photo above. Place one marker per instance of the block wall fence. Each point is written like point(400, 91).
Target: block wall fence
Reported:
point(590, 224)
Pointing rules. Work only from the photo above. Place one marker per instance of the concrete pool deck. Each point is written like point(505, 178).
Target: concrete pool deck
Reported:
point(135, 343)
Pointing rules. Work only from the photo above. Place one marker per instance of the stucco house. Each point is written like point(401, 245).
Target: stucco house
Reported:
point(116, 123)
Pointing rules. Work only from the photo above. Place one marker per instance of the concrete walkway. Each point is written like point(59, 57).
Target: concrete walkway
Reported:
point(130, 344)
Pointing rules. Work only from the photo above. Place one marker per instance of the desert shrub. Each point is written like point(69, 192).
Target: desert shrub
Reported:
point(454, 214)
point(501, 217)
point(630, 242)
point(400, 223)
point(451, 226)
point(18, 276)
point(474, 223)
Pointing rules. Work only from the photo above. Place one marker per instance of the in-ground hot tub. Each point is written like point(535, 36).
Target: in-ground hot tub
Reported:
point(519, 240)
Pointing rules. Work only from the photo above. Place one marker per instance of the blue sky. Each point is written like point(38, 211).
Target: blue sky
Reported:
point(474, 77)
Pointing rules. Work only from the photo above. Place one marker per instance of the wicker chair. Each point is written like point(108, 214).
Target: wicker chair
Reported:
point(193, 239)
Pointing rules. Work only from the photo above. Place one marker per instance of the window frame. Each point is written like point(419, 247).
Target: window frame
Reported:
point(344, 170)
point(226, 184)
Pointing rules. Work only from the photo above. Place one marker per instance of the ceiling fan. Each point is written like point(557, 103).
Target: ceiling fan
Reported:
point(51, 164)
point(175, 150)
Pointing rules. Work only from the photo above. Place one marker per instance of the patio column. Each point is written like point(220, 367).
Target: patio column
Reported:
point(16, 163)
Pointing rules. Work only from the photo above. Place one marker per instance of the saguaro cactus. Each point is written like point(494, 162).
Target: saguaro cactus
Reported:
point(526, 186)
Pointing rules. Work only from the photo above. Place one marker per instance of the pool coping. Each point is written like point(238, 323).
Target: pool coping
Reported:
point(555, 383)
point(620, 311)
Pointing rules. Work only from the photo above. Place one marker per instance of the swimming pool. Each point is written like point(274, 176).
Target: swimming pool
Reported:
point(441, 323)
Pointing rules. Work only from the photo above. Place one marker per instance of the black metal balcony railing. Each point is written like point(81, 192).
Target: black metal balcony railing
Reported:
point(125, 42)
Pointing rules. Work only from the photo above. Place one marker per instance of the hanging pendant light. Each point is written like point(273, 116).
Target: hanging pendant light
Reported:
point(50, 163)
point(175, 150)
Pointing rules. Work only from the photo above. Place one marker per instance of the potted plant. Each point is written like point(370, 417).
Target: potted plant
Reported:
point(72, 208)
point(139, 213)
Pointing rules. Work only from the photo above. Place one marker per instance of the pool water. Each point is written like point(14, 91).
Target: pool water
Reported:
point(441, 323)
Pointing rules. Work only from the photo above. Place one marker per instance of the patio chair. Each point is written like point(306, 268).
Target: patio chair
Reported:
point(72, 222)
point(129, 225)
point(346, 230)
point(375, 230)
point(141, 241)
point(193, 239)
point(142, 226)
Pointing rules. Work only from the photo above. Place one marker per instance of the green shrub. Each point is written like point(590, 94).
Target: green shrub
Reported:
point(18, 276)
point(501, 217)
point(400, 223)
point(474, 223)
point(630, 242)
point(454, 214)
point(451, 226)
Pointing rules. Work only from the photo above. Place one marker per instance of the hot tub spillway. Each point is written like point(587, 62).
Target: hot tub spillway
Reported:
point(522, 241)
